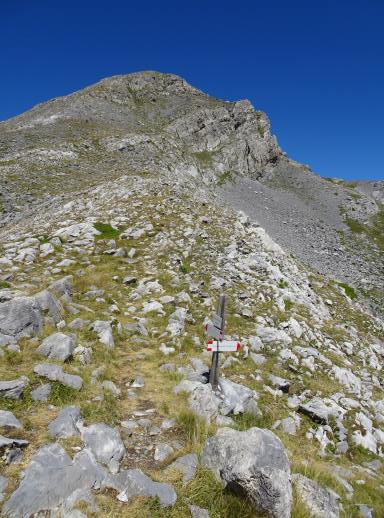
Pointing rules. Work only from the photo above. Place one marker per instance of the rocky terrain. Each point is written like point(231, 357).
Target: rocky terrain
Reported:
point(121, 227)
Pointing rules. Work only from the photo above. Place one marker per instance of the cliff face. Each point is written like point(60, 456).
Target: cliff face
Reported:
point(143, 122)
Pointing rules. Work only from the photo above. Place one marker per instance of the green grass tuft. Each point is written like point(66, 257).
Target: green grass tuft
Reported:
point(184, 267)
point(107, 231)
point(349, 291)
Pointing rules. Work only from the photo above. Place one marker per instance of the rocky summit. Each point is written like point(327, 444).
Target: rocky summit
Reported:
point(126, 210)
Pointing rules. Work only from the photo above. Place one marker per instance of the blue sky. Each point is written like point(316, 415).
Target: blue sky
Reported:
point(315, 67)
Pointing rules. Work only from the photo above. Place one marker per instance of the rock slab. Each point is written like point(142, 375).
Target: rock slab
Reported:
point(320, 501)
point(254, 464)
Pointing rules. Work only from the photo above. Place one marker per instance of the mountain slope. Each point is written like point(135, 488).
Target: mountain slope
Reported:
point(109, 270)
point(158, 124)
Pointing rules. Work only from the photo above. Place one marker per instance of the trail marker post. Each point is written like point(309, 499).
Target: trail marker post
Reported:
point(215, 329)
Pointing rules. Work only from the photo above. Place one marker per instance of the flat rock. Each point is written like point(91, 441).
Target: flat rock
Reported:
point(255, 464)
point(63, 286)
point(41, 393)
point(270, 335)
point(105, 443)
point(3, 487)
point(319, 410)
point(187, 465)
point(66, 423)
point(13, 389)
point(134, 482)
point(198, 512)
point(8, 420)
point(52, 481)
point(236, 398)
point(321, 502)
point(55, 373)
point(57, 346)
point(19, 317)
point(258, 359)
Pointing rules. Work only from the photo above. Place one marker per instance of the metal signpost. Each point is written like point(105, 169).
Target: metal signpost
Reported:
point(215, 330)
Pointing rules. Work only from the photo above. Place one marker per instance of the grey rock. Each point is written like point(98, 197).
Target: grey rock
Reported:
point(129, 280)
point(347, 378)
point(167, 424)
point(224, 420)
point(14, 456)
point(167, 367)
point(289, 425)
point(57, 346)
point(375, 464)
point(134, 482)
point(52, 481)
point(365, 511)
point(8, 420)
point(74, 514)
point(236, 398)
point(55, 373)
point(138, 382)
point(50, 305)
point(3, 487)
point(105, 443)
point(144, 423)
point(77, 323)
point(104, 330)
point(321, 502)
point(62, 286)
point(203, 402)
point(280, 383)
point(10, 442)
point(66, 423)
point(129, 424)
point(136, 328)
point(110, 387)
point(255, 464)
point(258, 359)
point(187, 465)
point(19, 317)
point(41, 393)
point(198, 512)
point(13, 389)
point(162, 451)
point(319, 411)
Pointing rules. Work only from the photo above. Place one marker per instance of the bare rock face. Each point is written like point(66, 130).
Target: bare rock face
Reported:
point(56, 373)
point(252, 463)
point(229, 137)
point(19, 317)
point(133, 482)
point(8, 420)
point(52, 480)
point(66, 423)
point(105, 443)
point(57, 346)
point(321, 502)
point(13, 389)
